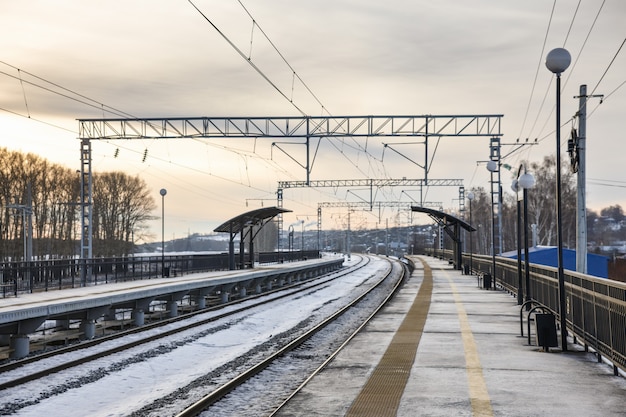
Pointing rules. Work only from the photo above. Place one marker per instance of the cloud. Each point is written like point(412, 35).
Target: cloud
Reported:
point(358, 57)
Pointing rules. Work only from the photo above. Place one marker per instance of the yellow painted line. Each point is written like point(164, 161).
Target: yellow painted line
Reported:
point(381, 395)
point(479, 396)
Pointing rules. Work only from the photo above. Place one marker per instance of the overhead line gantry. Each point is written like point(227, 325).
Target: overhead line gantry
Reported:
point(305, 127)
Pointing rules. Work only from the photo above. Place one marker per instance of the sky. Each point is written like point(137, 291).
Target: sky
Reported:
point(66, 60)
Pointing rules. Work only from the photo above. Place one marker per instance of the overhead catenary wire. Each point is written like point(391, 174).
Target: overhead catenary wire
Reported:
point(540, 136)
point(571, 25)
point(24, 93)
point(539, 65)
point(87, 101)
point(295, 74)
point(38, 120)
point(249, 61)
point(608, 67)
point(580, 52)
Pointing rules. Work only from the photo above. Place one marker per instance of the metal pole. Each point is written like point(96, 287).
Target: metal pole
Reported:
point(162, 235)
point(163, 192)
point(470, 237)
point(348, 243)
point(581, 210)
point(520, 295)
point(559, 219)
point(526, 260)
point(493, 236)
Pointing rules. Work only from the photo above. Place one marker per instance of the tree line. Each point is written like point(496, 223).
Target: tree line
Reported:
point(122, 205)
point(541, 202)
point(50, 193)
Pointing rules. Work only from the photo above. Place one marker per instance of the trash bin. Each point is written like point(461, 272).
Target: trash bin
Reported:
point(545, 329)
point(466, 269)
point(166, 272)
point(487, 281)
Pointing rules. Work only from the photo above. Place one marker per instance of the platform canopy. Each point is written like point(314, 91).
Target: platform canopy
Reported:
point(244, 224)
point(444, 218)
point(254, 217)
point(452, 225)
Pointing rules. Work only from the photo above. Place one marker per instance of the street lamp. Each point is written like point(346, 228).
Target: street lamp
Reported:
point(291, 238)
point(302, 240)
point(523, 182)
point(434, 244)
point(470, 197)
point(492, 166)
point(557, 61)
point(163, 192)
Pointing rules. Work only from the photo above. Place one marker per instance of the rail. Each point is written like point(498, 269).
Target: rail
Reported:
point(204, 403)
point(595, 307)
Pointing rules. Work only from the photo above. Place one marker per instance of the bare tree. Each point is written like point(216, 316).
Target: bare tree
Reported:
point(120, 204)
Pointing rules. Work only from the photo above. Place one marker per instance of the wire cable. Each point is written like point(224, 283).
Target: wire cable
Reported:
point(608, 67)
point(99, 104)
point(38, 120)
point(532, 90)
point(569, 30)
point(580, 52)
point(295, 74)
point(249, 61)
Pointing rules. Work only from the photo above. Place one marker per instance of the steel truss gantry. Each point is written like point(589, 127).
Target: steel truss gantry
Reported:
point(296, 126)
point(378, 204)
point(302, 127)
point(363, 182)
point(371, 183)
point(307, 127)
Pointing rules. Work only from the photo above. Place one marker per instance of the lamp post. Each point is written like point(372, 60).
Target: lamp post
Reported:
point(523, 182)
point(163, 192)
point(557, 61)
point(470, 198)
point(434, 244)
point(302, 239)
point(492, 166)
point(291, 238)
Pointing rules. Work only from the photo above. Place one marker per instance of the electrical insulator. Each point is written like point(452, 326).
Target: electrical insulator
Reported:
point(572, 149)
point(145, 155)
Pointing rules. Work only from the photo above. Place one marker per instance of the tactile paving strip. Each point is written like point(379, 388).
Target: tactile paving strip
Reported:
point(382, 392)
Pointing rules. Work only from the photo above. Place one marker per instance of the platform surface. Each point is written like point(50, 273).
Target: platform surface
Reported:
point(470, 361)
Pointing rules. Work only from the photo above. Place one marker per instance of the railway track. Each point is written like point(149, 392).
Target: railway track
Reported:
point(213, 314)
point(212, 399)
point(35, 355)
point(75, 370)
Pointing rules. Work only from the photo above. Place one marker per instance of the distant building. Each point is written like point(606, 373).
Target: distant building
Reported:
point(597, 265)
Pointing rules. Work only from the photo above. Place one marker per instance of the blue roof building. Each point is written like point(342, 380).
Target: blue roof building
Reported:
point(597, 265)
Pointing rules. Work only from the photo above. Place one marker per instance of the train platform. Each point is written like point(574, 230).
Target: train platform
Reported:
point(23, 316)
point(446, 347)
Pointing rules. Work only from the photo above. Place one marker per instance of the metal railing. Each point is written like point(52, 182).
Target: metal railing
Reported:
point(595, 307)
point(26, 277)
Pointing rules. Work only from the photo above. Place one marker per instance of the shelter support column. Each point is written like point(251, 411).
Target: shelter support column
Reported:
point(19, 345)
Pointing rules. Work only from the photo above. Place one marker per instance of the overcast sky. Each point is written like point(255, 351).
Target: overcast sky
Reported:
point(163, 58)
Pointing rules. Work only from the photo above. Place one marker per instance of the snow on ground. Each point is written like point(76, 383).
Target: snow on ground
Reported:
point(118, 384)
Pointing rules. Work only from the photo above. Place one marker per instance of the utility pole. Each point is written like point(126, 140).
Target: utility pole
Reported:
point(27, 223)
point(579, 166)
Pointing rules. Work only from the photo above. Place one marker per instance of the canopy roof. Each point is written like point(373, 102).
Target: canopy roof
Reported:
point(254, 217)
point(445, 218)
